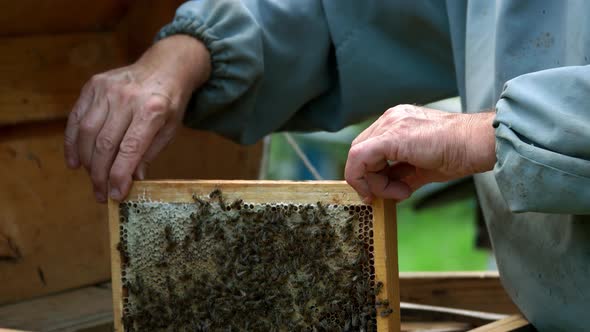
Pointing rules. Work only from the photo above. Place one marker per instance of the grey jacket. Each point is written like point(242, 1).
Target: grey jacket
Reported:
point(323, 64)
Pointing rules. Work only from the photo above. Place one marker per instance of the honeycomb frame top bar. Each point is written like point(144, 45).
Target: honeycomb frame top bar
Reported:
point(334, 192)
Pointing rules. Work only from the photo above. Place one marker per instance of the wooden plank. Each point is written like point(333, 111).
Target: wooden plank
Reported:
point(151, 16)
point(386, 265)
point(435, 327)
point(116, 266)
point(512, 323)
point(53, 235)
point(57, 234)
point(422, 312)
point(202, 155)
point(75, 310)
point(481, 291)
point(331, 192)
point(27, 17)
point(305, 192)
point(41, 76)
point(32, 313)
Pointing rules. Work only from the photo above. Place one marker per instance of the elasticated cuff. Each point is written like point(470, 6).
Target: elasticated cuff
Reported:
point(233, 39)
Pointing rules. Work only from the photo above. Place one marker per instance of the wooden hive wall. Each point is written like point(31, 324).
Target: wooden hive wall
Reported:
point(53, 236)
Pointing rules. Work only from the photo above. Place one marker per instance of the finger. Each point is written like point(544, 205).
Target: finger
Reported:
point(161, 140)
point(384, 187)
point(365, 157)
point(378, 127)
point(90, 126)
point(106, 147)
point(73, 127)
point(135, 143)
point(399, 170)
point(393, 173)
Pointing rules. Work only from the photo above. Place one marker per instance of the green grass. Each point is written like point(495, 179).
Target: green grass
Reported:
point(439, 239)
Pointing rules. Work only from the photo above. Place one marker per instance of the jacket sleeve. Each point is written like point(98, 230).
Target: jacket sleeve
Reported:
point(543, 141)
point(313, 64)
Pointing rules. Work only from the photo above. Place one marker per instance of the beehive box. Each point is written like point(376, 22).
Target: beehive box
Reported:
point(253, 256)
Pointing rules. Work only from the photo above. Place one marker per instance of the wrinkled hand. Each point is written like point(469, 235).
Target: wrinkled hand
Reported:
point(125, 117)
point(410, 146)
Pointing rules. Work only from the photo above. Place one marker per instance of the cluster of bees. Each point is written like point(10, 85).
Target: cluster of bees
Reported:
point(218, 265)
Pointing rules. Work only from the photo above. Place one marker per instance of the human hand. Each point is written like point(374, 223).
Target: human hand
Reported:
point(125, 117)
point(410, 146)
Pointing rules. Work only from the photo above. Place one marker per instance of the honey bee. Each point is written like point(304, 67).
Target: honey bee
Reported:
point(386, 312)
point(169, 239)
point(236, 204)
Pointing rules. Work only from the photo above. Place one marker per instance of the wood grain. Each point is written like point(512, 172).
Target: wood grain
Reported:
point(512, 323)
point(70, 311)
point(26, 17)
point(151, 16)
point(434, 327)
point(181, 191)
point(422, 312)
point(481, 291)
point(116, 266)
point(57, 233)
point(41, 76)
point(386, 264)
point(66, 305)
point(332, 192)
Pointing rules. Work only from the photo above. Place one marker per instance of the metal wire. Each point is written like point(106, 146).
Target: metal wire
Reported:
point(306, 162)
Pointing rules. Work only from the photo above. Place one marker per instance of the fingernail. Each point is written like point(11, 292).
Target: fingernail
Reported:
point(72, 163)
point(368, 200)
point(100, 197)
point(115, 194)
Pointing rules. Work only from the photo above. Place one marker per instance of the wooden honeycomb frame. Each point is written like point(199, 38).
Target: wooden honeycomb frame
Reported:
point(332, 192)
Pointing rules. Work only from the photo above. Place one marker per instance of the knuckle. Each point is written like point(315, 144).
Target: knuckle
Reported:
point(354, 152)
point(389, 111)
point(155, 109)
point(87, 126)
point(96, 79)
point(130, 146)
point(156, 104)
point(407, 107)
point(400, 109)
point(105, 144)
point(127, 92)
point(74, 116)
